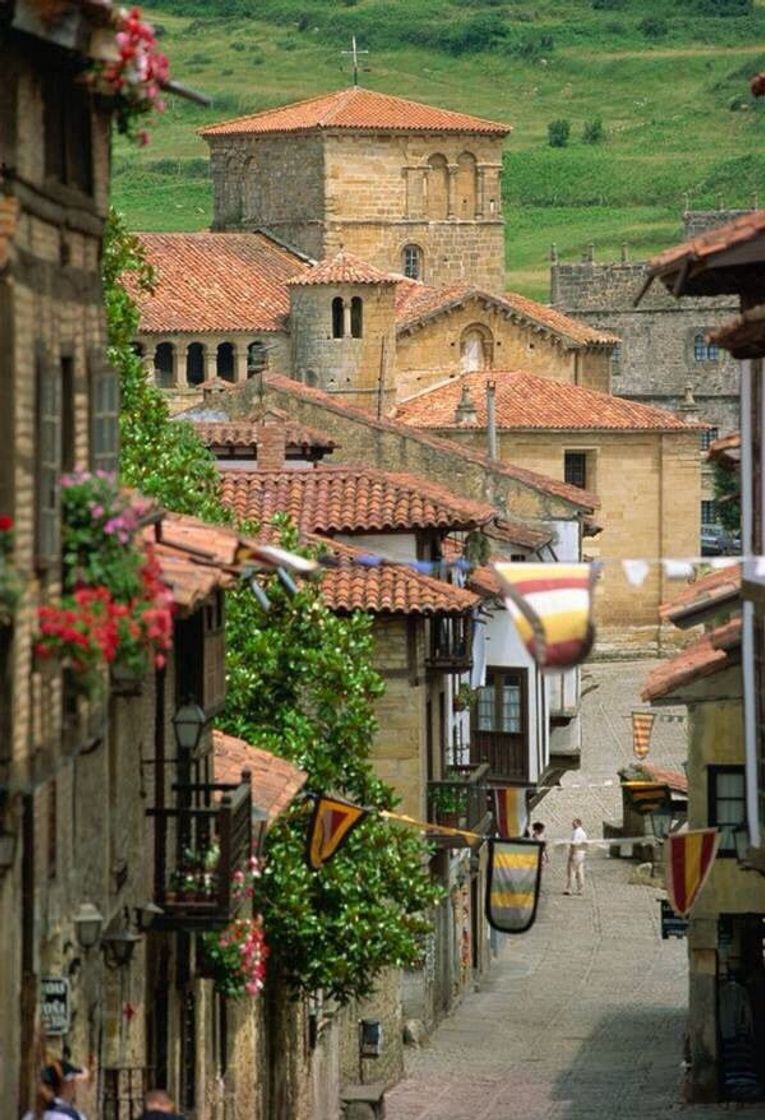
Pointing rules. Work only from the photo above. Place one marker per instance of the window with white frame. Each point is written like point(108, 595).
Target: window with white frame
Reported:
point(727, 804)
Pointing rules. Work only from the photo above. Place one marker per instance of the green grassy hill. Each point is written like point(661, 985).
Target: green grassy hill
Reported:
point(667, 78)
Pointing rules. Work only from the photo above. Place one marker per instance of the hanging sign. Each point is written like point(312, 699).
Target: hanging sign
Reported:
point(642, 724)
point(512, 885)
point(688, 858)
point(55, 1005)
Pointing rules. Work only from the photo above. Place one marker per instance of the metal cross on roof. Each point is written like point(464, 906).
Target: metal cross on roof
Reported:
point(355, 54)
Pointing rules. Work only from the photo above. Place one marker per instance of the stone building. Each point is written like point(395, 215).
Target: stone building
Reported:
point(642, 462)
point(408, 187)
point(604, 294)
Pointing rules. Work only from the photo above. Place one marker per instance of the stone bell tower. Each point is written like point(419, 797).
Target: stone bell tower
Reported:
point(408, 187)
point(343, 330)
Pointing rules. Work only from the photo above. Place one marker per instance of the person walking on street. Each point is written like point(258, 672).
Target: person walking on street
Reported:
point(56, 1093)
point(577, 853)
point(159, 1106)
point(539, 834)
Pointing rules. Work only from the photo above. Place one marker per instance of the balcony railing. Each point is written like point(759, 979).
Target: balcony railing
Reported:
point(506, 754)
point(451, 643)
point(202, 847)
point(461, 801)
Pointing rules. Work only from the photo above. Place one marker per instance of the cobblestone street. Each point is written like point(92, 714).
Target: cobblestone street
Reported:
point(582, 1017)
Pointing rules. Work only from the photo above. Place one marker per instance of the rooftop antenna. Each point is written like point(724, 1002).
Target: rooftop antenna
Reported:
point(355, 54)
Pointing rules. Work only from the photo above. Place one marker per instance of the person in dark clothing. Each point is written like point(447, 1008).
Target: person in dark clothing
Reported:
point(159, 1106)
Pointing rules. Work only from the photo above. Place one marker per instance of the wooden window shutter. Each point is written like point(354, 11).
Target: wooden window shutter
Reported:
point(104, 410)
point(48, 459)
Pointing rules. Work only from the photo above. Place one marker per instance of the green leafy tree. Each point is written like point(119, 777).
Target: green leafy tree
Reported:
point(558, 133)
point(300, 684)
point(727, 487)
point(163, 459)
point(593, 131)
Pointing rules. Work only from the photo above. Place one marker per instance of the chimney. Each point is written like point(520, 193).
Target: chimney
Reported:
point(491, 418)
point(272, 443)
point(688, 408)
point(465, 412)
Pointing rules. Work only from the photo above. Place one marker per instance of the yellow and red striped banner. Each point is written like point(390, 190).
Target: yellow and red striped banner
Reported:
point(511, 815)
point(551, 606)
point(689, 857)
point(642, 724)
point(332, 822)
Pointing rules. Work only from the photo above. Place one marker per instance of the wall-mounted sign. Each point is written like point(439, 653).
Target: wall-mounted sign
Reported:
point(55, 1005)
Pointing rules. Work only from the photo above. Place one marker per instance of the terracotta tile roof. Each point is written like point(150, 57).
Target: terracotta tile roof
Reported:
point(197, 558)
point(715, 591)
point(275, 782)
point(244, 434)
point(344, 268)
point(387, 588)
point(216, 282)
point(416, 302)
point(716, 651)
point(744, 336)
point(726, 451)
point(356, 109)
point(675, 779)
point(350, 499)
point(744, 228)
point(581, 499)
point(526, 401)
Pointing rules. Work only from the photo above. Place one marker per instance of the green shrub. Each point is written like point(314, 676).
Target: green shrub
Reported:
point(558, 133)
point(593, 131)
point(653, 27)
point(724, 8)
point(237, 45)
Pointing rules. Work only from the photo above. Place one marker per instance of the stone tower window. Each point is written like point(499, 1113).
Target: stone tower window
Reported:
point(224, 361)
point(699, 348)
point(164, 365)
point(357, 312)
point(466, 186)
point(412, 262)
point(195, 364)
point(257, 357)
point(437, 188)
point(476, 348)
point(338, 327)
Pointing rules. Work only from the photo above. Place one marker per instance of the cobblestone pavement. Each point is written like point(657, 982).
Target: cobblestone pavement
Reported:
point(582, 1017)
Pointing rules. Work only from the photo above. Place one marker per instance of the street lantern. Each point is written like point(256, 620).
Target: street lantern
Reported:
point(146, 915)
point(660, 820)
point(88, 923)
point(189, 723)
point(118, 946)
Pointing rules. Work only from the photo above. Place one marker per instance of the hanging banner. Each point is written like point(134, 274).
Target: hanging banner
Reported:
point(512, 885)
point(647, 797)
point(332, 821)
point(642, 723)
point(689, 857)
point(511, 815)
point(551, 606)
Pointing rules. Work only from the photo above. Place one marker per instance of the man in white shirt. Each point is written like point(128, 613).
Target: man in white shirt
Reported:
point(577, 853)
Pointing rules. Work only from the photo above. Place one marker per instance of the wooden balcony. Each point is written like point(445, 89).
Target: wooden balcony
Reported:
point(507, 755)
point(202, 846)
point(461, 801)
point(451, 644)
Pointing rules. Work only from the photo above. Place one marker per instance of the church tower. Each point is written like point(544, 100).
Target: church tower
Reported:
point(343, 330)
point(408, 187)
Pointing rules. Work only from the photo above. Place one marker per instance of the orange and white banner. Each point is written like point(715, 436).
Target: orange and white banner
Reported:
point(642, 724)
point(511, 815)
point(689, 857)
point(551, 606)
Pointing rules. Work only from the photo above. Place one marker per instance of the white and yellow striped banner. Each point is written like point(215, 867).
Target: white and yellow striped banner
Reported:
point(512, 887)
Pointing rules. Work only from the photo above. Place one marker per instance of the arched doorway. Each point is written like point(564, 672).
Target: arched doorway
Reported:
point(164, 365)
point(224, 361)
point(195, 364)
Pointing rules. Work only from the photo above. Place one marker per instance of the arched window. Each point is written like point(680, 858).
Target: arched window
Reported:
point(437, 188)
point(224, 361)
point(338, 328)
point(257, 357)
point(195, 364)
point(699, 348)
point(412, 262)
point(164, 365)
point(476, 348)
point(466, 185)
point(357, 312)
point(713, 352)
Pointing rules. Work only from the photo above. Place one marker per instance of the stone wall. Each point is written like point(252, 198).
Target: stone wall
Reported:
point(399, 750)
point(651, 509)
point(657, 355)
point(357, 370)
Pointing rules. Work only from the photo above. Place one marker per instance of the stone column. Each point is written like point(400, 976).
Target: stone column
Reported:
point(240, 361)
point(479, 192)
point(451, 189)
point(346, 318)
